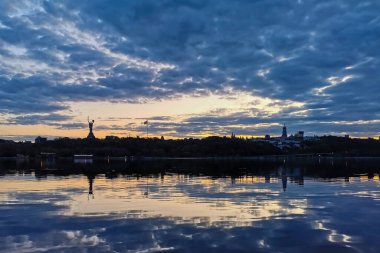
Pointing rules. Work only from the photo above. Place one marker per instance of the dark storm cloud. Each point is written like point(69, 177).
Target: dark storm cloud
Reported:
point(324, 54)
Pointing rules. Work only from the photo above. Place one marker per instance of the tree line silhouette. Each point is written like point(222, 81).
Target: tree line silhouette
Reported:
point(210, 146)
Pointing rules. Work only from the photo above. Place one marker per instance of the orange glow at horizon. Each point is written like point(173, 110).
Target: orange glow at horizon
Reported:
point(124, 119)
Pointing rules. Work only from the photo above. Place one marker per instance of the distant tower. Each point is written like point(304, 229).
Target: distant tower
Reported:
point(90, 125)
point(284, 132)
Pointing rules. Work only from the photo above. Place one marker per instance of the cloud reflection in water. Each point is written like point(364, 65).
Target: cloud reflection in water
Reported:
point(186, 213)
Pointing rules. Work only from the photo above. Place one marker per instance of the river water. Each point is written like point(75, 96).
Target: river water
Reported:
point(190, 206)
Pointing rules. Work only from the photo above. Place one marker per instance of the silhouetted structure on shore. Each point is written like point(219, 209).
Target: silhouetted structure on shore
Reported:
point(90, 126)
point(207, 147)
point(284, 132)
point(40, 139)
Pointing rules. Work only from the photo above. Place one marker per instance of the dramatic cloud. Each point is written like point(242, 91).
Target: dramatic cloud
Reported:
point(321, 56)
point(187, 213)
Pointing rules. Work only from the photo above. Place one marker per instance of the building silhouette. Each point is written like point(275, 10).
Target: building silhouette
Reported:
point(284, 132)
point(299, 134)
point(40, 139)
point(111, 138)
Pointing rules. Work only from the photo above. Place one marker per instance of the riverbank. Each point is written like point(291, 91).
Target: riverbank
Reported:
point(210, 147)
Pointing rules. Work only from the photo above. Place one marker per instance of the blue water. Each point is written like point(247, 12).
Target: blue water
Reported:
point(261, 209)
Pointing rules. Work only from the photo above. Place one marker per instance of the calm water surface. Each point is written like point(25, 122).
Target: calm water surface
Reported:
point(187, 207)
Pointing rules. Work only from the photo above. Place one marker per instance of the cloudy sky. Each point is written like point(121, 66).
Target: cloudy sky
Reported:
point(191, 67)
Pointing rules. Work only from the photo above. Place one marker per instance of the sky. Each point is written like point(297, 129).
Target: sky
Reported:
point(192, 68)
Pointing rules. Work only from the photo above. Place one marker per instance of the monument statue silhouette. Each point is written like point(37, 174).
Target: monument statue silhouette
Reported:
point(90, 125)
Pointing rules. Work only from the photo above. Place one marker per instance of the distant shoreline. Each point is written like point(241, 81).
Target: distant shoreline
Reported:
point(131, 158)
point(207, 148)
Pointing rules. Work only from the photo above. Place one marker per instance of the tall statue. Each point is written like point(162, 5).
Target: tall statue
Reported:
point(90, 125)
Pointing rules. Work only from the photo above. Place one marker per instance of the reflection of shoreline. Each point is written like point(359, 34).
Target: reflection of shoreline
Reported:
point(199, 200)
point(182, 207)
point(237, 170)
point(282, 175)
point(323, 168)
point(258, 157)
point(245, 207)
